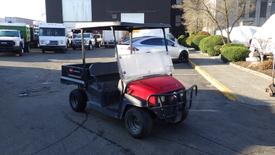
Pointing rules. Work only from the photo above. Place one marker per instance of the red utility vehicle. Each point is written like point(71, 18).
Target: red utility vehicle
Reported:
point(136, 87)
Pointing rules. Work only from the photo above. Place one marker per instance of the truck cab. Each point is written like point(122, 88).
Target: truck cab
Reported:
point(52, 37)
point(89, 41)
point(11, 41)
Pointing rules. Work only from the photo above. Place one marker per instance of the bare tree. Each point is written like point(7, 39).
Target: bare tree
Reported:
point(225, 14)
point(193, 15)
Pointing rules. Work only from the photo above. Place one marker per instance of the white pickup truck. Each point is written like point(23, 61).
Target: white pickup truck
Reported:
point(11, 41)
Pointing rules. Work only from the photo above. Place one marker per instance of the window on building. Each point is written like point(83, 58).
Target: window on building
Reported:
point(252, 9)
point(273, 7)
point(263, 8)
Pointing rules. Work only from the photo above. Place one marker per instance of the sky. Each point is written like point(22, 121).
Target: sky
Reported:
point(31, 9)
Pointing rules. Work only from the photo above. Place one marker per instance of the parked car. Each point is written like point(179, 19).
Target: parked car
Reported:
point(89, 41)
point(11, 41)
point(155, 44)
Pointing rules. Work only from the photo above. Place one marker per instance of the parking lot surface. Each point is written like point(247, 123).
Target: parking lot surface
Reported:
point(36, 118)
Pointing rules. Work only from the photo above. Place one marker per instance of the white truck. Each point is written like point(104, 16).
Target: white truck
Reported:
point(52, 37)
point(11, 41)
point(108, 39)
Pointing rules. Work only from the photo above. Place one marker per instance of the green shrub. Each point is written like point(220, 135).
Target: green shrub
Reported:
point(203, 33)
point(196, 41)
point(208, 44)
point(190, 39)
point(202, 43)
point(233, 44)
point(182, 40)
point(234, 53)
point(217, 48)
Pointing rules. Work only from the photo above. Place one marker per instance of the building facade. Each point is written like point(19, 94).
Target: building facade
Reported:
point(70, 12)
point(18, 20)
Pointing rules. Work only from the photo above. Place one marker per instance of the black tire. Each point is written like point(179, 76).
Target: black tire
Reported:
point(27, 48)
point(180, 118)
point(138, 122)
point(43, 51)
point(183, 57)
point(21, 51)
point(78, 100)
point(74, 48)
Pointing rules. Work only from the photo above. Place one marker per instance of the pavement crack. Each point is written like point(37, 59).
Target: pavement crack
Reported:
point(64, 137)
point(99, 134)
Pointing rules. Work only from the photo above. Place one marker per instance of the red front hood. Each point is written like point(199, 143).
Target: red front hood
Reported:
point(155, 85)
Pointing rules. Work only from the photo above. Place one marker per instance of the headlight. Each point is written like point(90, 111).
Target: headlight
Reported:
point(17, 43)
point(61, 42)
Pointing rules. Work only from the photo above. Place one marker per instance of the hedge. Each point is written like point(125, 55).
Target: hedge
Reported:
point(203, 33)
point(182, 40)
point(196, 41)
point(234, 53)
point(208, 44)
point(190, 39)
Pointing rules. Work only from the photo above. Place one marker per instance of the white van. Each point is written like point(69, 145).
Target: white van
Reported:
point(52, 37)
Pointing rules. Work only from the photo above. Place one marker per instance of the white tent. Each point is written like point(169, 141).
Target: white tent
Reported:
point(264, 38)
point(240, 34)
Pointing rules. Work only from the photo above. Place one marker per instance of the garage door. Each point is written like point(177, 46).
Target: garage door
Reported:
point(132, 17)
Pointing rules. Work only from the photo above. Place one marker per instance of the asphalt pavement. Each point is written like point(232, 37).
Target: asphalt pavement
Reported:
point(36, 118)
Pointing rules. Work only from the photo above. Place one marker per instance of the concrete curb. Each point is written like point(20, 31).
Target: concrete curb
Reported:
point(221, 87)
point(251, 71)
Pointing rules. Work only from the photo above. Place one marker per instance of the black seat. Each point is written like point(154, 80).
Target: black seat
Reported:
point(101, 70)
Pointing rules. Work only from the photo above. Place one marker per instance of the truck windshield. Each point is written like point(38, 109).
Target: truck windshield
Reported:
point(52, 31)
point(9, 34)
point(78, 36)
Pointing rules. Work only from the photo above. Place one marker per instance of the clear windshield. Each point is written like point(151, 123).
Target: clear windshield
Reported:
point(136, 66)
point(9, 34)
point(52, 31)
point(78, 36)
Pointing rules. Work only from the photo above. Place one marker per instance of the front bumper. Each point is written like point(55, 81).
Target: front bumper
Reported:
point(181, 101)
point(47, 47)
point(10, 49)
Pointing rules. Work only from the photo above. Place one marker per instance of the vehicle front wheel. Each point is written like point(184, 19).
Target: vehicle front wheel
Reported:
point(78, 100)
point(21, 51)
point(183, 57)
point(138, 122)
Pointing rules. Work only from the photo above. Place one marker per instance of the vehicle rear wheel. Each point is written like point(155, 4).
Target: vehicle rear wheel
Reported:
point(138, 122)
point(184, 57)
point(43, 51)
point(78, 100)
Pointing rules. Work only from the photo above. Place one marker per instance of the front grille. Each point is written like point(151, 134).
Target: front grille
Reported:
point(4, 43)
point(172, 98)
point(53, 43)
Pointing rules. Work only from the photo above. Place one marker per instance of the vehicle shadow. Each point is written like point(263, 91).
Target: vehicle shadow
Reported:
point(38, 105)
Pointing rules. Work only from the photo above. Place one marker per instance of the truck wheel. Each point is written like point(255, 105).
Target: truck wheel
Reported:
point(43, 51)
point(138, 122)
point(21, 51)
point(78, 100)
point(183, 57)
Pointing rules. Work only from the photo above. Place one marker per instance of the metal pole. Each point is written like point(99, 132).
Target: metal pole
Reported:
point(165, 41)
point(131, 44)
point(82, 47)
point(273, 70)
point(115, 42)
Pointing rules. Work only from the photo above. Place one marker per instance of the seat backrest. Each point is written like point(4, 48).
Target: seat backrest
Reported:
point(104, 68)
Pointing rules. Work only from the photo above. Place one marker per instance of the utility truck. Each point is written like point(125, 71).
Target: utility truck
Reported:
point(24, 30)
point(52, 37)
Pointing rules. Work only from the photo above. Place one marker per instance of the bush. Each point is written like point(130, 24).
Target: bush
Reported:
point(190, 39)
point(182, 40)
point(196, 41)
point(202, 43)
point(234, 53)
point(217, 48)
point(208, 44)
point(233, 44)
point(203, 33)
